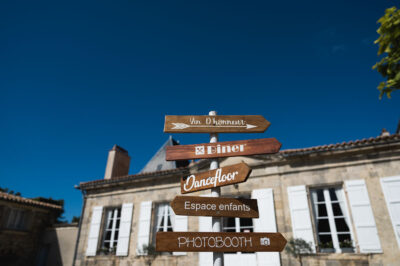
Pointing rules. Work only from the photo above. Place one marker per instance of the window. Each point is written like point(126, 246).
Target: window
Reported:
point(111, 230)
point(235, 224)
point(163, 220)
point(331, 220)
point(17, 219)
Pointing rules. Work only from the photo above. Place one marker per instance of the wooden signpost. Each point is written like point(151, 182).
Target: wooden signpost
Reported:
point(223, 149)
point(215, 124)
point(219, 242)
point(218, 207)
point(223, 176)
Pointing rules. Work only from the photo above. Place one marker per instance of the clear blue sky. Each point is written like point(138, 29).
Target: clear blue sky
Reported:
point(78, 77)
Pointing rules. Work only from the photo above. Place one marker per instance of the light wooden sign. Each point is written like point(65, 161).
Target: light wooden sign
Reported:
point(218, 207)
point(223, 149)
point(219, 242)
point(223, 176)
point(215, 124)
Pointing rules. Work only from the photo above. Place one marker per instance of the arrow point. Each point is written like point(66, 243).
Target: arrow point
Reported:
point(250, 126)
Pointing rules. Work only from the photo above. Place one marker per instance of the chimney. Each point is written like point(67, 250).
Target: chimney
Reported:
point(117, 163)
point(384, 133)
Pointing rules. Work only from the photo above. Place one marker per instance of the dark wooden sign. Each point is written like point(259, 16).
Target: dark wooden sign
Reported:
point(215, 124)
point(219, 242)
point(218, 207)
point(223, 176)
point(223, 149)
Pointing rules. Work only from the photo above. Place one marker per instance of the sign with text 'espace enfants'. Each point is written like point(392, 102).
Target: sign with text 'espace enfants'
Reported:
point(223, 176)
point(223, 149)
point(215, 124)
point(217, 207)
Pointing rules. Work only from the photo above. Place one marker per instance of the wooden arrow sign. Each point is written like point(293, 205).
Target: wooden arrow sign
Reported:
point(215, 124)
point(223, 149)
point(219, 242)
point(223, 176)
point(218, 207)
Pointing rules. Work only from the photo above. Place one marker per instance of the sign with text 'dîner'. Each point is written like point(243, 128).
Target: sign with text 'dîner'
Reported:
point(223, 176)
point(215, 124)
point(219, 242)
point(217, 207)
point(222, 149)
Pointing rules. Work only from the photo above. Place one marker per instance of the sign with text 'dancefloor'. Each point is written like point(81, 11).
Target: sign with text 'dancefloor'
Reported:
point(219, 242)
point(223, 176)
point(217, 207)
point(215, 124)
point(222, 149)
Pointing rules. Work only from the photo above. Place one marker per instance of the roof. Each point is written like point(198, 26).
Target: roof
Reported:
point(130, 178)
point(26, 201)
point(289, 152)
point(344, 145)
point(158, 162)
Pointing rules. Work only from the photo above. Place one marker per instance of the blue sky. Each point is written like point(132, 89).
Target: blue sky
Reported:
point(78, 77)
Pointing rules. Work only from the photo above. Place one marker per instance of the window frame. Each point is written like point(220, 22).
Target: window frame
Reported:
point(331, 217)
point(102, 250)
point(238, 227)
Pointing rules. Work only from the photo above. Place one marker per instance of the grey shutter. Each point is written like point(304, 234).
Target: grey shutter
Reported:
point(124, 229)
point(144, 226)
point(300, 214)
point(391, 190)
point(364, 222)
point(94, 231)
point(265, 223)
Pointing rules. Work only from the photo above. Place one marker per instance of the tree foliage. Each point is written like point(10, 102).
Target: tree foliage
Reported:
point(389, 43)
point(298, 247)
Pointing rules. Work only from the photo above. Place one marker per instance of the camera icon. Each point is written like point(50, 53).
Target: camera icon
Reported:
point(264, 241)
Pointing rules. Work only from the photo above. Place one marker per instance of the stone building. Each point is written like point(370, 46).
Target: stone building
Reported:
point(344, 199)
point(22, 224)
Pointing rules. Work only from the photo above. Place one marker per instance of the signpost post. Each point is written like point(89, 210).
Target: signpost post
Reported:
point(214, 206)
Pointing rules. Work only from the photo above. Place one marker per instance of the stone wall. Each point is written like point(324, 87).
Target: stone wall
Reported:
point(21, 247)
point(279, 172)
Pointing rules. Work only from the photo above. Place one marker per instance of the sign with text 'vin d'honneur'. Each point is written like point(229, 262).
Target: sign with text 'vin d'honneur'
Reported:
point(223, 176)
point(223, 149)
point(217, 207)
point(215, 124)
point(219, 242)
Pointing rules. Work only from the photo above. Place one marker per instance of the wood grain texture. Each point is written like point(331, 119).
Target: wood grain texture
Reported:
point(222, 149)
point(215, 124)
point(223, 176)
point(212, 206)
point(219, 242)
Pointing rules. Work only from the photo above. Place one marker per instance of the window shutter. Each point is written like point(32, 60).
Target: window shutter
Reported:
point(367, 234)
point(124, 229)
point(205, 225)
point(94, 231)
point(300, 214)
point(391, 190)
point(181, 225)
point(144, 227)
point(265, 223)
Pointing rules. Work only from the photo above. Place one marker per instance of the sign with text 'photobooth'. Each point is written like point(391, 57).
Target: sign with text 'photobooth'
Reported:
point(219, 242)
